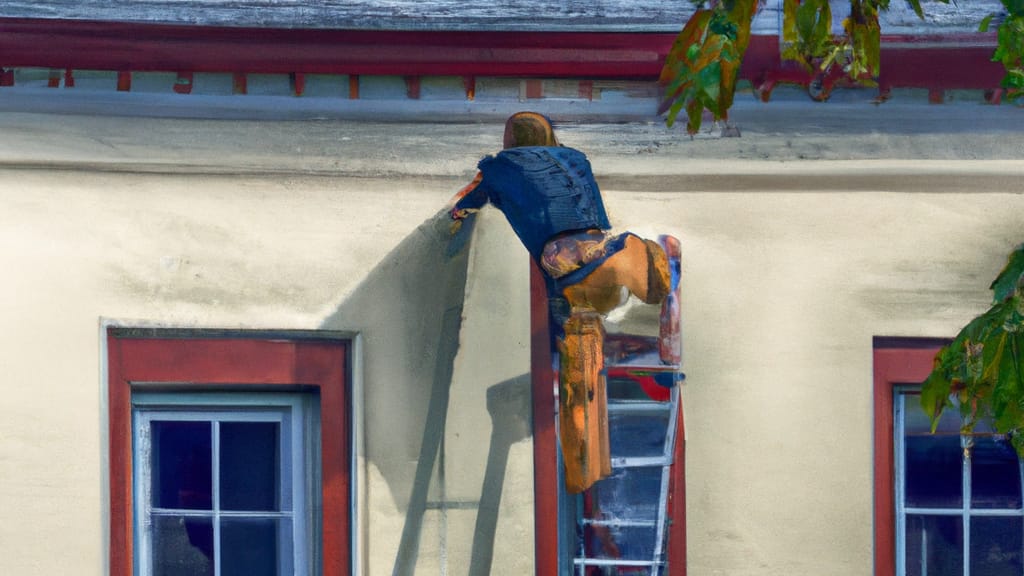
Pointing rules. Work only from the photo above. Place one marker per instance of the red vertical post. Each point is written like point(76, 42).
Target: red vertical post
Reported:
point(353, 87)
point(586, 89)
point(677, 500)
point(6, 77)
point(183, 83)
point(908, 364)
point(469, 84)
point(239, 83)
point(534, 89)
point(124, 81)
point(298, 83)
point(412, 87)
point(120, 437)
point(69, 78)
point(545, 457)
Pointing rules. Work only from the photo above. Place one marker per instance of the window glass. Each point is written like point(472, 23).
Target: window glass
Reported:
point(960, 511)
point(254, 547)
point(182, 546)
point(628, 494)
point(182, 465)
point(996, 546)
point(220, 489)
point(995, 473)
point(934, 466)
point(622, 520)
point(250, 462)
point(620, 542)
point(638, 432)
point(935, 545)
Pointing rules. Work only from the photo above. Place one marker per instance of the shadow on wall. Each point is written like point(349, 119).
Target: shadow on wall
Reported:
point(509, 404)
point(409, 313)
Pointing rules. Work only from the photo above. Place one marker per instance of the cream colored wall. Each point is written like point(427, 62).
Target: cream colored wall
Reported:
point(80, 248)
point(782, 294)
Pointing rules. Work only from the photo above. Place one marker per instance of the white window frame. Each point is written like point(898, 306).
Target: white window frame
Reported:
point(965, 511)
point(299, 449)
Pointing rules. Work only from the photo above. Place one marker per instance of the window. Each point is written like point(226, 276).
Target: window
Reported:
point(958, 498)
point(228, 453)
point(634, 521)
point(223, 482)
point(944, 503)
point(621, 523)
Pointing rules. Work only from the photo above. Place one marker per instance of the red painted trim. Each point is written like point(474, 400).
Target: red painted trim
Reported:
point(412, 87)
point(353, 87)
point(586, 89)
point(298, 81)
point(534, 88)
point(892, 366)
point(545, 445)
point(239, 83)
point(83, 44)
point(120, 435)
point(232, 362)
point(938, 61)
point(183, 83)
point(677, 501)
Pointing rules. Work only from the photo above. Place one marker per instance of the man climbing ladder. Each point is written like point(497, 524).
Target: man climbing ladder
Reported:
point(549, 196)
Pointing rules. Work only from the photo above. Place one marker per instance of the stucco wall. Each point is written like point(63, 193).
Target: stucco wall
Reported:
point(782, 293)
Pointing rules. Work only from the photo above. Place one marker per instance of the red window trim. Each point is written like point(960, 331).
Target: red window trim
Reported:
point(236, 361)
point(897, 362)
point(545, 444)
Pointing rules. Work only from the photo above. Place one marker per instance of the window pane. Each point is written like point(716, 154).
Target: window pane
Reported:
point(996, 546)
point(935, 545)
point(639, 433)
point(249, 466)
point(934, 462)
point(182, 546)
point(253, 547)
point(628, 494)
point(620, 542)
point(643, 389)
point(182, 473)
point(995, 473)
point(614, 571)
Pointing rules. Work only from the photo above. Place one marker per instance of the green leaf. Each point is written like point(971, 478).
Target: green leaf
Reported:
point(693, 116)
point(984, 365)
point(789, 8)
point(710, 79)
point(1007, 395)
point(673, 112)
point(985, 23)
point(935, 394)
point(1014, 79)
point(916, 5)
point(693, 52)
point(1011, 279)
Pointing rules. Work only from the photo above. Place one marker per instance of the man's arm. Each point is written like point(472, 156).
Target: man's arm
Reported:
point(468, 200)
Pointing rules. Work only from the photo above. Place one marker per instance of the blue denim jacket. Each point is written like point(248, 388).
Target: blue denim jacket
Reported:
point(543, 192)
